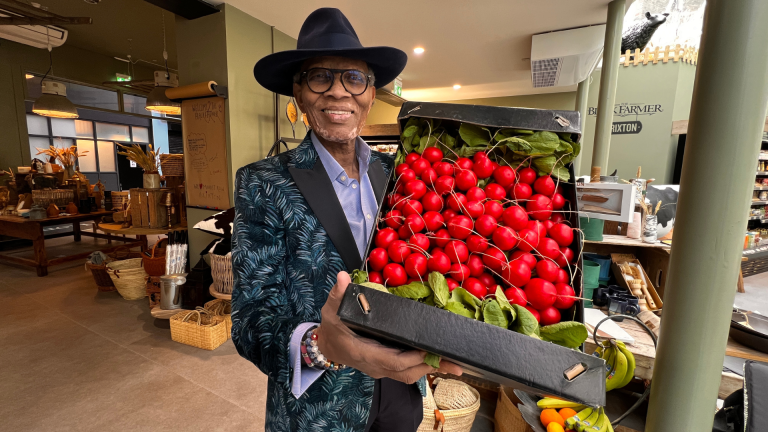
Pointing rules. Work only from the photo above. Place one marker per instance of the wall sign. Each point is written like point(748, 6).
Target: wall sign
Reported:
point(625, 109)
point(205, 152)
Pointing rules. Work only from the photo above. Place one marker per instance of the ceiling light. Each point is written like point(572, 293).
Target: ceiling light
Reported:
point(29, 76)
point(54, 102)
point(418, 50)
point(157, 101)
point(456, 86)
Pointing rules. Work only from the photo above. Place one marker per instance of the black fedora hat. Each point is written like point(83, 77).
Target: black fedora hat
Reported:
point(327, 32)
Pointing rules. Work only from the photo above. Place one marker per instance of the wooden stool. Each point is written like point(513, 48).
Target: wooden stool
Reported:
point(740, 282)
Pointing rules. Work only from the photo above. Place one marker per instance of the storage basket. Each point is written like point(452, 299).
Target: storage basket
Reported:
point(221, 270)
point(60, 197)
point(507, 416)
point(172, 164)
point(221, 308)
point(154, 265)
point(456, 420)
point(198, 328)
point(123, 253)
point(100, 276)
point(129, 278)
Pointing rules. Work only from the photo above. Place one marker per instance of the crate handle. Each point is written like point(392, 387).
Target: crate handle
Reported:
point(574, 371)
point(363, 302)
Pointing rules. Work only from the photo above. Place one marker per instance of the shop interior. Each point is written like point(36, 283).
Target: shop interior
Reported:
point(124, 123)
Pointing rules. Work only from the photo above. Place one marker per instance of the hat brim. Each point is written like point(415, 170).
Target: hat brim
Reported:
point(275, 72)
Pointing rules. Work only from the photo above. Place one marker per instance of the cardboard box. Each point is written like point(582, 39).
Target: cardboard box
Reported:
point(617, 259)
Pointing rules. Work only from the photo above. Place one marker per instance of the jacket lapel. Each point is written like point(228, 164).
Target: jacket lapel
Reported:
point(378, 180)
point(317, 189)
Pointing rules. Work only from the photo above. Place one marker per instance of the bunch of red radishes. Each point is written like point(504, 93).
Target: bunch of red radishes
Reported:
point(508, 233)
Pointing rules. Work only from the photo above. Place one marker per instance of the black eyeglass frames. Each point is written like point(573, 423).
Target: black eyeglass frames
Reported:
point(320, 80)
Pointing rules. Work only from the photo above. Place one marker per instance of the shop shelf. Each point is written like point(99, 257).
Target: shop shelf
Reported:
point(754, 203)
point(761, 187)
point(762, 173)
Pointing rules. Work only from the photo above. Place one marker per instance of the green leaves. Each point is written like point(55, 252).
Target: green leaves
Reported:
point(432, 360)
point(492, 314)
point(359, 276)
point(460, 295)
point(440, 288)
point(459, 309)
point(377, 287)
point(414, 290)
point(544, 165)
point(474, 135)
point(525, 323)
point(570, 334)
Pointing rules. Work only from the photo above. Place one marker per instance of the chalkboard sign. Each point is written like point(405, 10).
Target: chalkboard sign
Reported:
point(205, 153)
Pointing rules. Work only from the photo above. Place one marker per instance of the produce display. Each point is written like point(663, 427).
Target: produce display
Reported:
point(476, 223)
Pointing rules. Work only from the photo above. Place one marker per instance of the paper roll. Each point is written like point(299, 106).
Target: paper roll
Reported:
point(634, 229)
point(201, 89)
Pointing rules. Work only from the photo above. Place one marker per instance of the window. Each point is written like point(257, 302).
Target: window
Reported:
point(83, 129)
point(112, 132)
point(36, 125)
point(36, 143)
point(140, 134)
point(134, 104)
point(106, 156)
point(63, 127)
point(87, 162)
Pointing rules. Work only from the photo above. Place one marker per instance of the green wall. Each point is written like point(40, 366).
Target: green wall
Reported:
point(69, 62)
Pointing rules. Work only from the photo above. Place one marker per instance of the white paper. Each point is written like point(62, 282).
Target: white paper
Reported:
point(594, 316)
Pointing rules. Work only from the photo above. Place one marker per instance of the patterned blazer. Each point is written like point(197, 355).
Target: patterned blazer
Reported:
point(290, 239)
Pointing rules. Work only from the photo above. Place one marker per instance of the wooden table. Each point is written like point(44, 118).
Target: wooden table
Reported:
point(140, 233)
point(24, 228)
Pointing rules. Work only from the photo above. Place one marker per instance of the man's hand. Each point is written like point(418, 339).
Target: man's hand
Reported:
point(339, 344)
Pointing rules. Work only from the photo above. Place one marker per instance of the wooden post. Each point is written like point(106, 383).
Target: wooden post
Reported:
point(646, 54)
point(656, 55)
point(637, 57)
point(677, 52)
point(626, 58)
point(666, 54)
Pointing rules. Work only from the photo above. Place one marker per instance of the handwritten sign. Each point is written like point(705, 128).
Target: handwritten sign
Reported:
point(205, 152)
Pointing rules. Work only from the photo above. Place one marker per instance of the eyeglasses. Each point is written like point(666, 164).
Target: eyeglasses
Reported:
point(320, 80)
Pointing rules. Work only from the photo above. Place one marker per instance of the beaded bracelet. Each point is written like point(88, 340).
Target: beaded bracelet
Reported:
point(312, 355)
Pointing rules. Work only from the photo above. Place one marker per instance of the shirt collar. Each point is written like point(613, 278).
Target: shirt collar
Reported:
point(333, 168)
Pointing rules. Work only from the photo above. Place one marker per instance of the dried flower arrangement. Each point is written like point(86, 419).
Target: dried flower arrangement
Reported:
point(148, 160)
point(66, 156)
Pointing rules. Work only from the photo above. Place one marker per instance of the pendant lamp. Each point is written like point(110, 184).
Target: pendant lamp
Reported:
point(54, 102)
point(157, 101)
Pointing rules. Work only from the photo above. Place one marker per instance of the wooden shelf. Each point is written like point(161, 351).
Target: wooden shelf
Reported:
point(761, 188)
point(754, 203)
point(762, 173)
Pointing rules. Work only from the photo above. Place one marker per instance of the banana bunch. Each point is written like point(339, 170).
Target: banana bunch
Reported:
point(559, 404)
point(590, 419)
point(619, 364)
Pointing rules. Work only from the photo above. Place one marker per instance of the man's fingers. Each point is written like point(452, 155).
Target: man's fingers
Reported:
point(451, 368)
point(411, 375)
point(338, 290)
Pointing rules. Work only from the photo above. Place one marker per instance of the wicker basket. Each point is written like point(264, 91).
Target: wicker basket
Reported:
point(222, 308)
point(198, 328)
point(100, 276)
point(129, 278)
point(221, 270)
point(123, 253)
point(154, 265)
point(456, 420)
point(172, 164)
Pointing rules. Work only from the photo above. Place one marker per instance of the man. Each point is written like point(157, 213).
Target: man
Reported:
point(302, 219)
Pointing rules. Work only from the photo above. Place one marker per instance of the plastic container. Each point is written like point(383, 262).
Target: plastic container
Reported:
point(592, 228)
point(591, 274)
point(605, 264)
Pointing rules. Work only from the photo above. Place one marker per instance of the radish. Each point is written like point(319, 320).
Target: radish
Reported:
point(452, 284)
point(406, 176)
point(505, 238)
point(495, 259)
point(460, 272)
point(562, 234)
point(411, 158)
point(457, 251)
point(400, 168)
point(414, 223)
point(404, 233)
point(475, 287)
point(547, 270)
point(488, 280)
point(525, 257)
point(416, 265)
point(393, 200)
point(466, 180)
point(415, 189)
point(433, 221)
point(485, 225)
point(398, 250)
point(394, 219)
point(456, 201)
point(419, 165)
point(527, 175)
point(384, 237)
point(449, 214)
point(378, 258)
point(419, 242)
point(516, 296)
point(475, 194)
point(529, 240)
point(565, 296)
point(475, 266)
point(462, 164)
point(548, 224)
point(565, 257)
point(538, 227)
point(540, 293)
point(549, 248)
point(562, 276)
point(558, 201)
point(504, 176)
point(543, 185)
point(460, 227)
point(557, 217)
point(539, 207)
point(515, 217)
point(429, 176)
point(375, 277)
point(476, 243)
point(394, 275)
point(549, 316)
point(441, 238)
point(432, 154)
point(436, 249)
point(479, 156)
point(474, 209)
point(412, 207)
point(431, 201)
point(521, 191)
point(483, 168)
point(439, 262)
point(444, 185)
point(443, 169)
point(494, 191)
point(493, 208)
point(517, 273)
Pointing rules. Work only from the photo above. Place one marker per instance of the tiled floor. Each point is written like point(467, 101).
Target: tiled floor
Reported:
point(75, 359)
point(756, 296)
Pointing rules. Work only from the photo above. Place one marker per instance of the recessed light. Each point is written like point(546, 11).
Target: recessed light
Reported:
point(29, 76)
point(418, 50)
point(456, 86)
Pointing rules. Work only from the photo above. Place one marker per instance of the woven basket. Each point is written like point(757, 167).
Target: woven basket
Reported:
point(129, 278)
point(100, 276)
point(172, 164)
point(154, 265)
point(123, 253)
point(198, 328)
point(221, 308)
point(456, 420)
point(221, 270)
point(507, 416)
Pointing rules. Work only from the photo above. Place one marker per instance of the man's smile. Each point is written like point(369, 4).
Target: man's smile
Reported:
point(338, 115)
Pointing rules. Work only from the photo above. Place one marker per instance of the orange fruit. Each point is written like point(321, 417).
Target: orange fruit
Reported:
point(554, 427)
point(550, 415)
point(567, 413)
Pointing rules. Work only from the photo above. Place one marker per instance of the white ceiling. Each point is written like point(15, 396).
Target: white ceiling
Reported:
point(483, 45)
